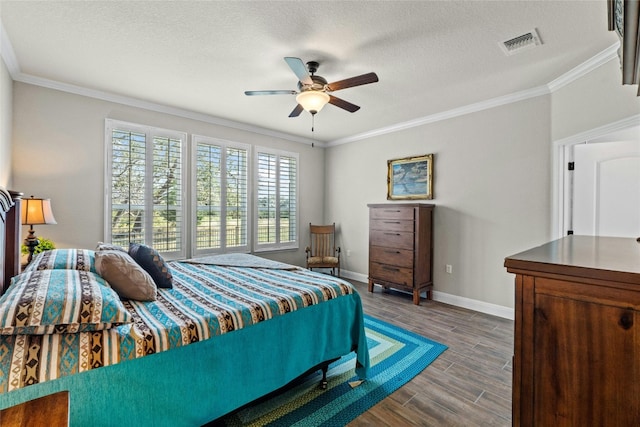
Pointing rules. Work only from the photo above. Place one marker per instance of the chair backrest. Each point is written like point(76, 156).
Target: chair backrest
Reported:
point(322, 239)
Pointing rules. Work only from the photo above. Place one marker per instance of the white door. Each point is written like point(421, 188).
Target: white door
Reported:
point(606, 196)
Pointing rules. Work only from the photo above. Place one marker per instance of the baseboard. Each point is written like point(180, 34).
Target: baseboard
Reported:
point(354, 276)
point(475, 305)
point(468, 303)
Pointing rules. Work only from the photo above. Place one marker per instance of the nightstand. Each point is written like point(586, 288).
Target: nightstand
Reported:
point(51, 411)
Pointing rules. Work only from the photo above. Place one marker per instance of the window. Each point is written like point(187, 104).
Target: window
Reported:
point(147, 192)
point(145, 197)
point(276, 200)
point(221, 196)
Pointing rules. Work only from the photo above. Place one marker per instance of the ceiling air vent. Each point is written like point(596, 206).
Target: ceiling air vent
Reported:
point(523, 42)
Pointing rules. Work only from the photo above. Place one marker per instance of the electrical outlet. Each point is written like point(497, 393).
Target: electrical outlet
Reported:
point(348, 252)
point(448, 268)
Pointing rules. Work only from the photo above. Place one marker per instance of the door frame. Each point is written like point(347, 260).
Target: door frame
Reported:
point(562, 179)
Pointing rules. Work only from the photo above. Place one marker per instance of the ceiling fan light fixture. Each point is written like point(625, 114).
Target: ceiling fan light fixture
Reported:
point(312, 100)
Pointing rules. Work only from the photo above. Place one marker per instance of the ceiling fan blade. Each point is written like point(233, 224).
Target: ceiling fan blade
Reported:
point(300, 70)
point(353, 81)
point(352, 108)
point(269, 92)
point(296, 111)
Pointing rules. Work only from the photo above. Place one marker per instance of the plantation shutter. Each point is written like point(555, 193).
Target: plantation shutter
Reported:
point(128, 187)
point(267, 197)
point(167, 221)
point(237, 198)
point(288, 199)
point(146, 196)
point(277, 200)
point(208, 197)
point(221, 196)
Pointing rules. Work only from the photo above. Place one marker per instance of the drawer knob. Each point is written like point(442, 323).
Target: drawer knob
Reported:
point(391, 269)
point(392, 234)
point(626, 321)
point(391, 222)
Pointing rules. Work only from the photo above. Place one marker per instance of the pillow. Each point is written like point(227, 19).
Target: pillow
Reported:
point(45, 302)
point(124, 275)
point(149, 259)
point(63, 259)
point(109, 247)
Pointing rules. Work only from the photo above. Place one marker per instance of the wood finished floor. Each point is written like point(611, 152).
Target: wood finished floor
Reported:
point(468, 385)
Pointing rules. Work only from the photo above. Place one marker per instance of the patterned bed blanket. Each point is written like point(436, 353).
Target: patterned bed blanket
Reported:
point(206, 301)
point(242, 260)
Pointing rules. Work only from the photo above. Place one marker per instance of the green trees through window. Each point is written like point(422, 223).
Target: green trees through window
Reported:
point(147, 193)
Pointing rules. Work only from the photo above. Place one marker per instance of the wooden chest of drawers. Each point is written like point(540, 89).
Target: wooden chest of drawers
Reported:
point(577, 333)
point(401, 247)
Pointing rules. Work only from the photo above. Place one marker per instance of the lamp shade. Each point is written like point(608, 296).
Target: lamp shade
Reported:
point(312, 100)
point(37, 211)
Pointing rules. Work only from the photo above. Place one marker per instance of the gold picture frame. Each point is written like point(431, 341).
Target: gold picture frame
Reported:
point(410, 178)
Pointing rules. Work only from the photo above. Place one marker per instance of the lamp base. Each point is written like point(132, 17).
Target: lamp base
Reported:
point(31, 242)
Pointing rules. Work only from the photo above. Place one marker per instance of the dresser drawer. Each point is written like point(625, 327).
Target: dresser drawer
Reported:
point(391, 225)
point(391, 256)
point(392, 274)
point(392, 239)
point(391, 213)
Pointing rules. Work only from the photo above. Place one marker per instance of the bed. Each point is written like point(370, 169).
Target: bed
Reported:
point(229, 330)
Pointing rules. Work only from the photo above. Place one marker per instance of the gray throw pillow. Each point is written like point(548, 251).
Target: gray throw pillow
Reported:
point(125, 276)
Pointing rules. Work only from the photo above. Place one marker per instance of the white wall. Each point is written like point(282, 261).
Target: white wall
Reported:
point(59, 153)
point(491, 187)
point(6, 125)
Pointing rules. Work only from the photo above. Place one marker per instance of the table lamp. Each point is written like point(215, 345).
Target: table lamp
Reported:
point(35, 212)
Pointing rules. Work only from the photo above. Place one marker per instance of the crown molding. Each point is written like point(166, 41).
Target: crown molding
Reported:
point(589, 65)
point(575, 73)
point(467, 109)
point(8, 55)
point(159, 108)
point(601, 131)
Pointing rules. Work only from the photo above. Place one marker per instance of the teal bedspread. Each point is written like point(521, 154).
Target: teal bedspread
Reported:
point(262, 328)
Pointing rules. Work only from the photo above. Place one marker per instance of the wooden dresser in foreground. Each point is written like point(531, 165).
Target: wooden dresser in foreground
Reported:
point(577, 333)
point(401, 247)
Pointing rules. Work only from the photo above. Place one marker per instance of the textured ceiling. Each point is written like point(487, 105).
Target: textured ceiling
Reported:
point(201, 56)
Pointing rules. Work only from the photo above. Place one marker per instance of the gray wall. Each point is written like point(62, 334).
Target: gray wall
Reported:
point(59, 153)
point(492, 182)
point(492, 174)
point(596, 99)
point(6, 125)
point(491, 187)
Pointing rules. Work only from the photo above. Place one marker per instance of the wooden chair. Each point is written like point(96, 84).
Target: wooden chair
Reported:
point(322, 251)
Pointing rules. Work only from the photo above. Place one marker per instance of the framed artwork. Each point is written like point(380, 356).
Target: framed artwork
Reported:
point(410, 178)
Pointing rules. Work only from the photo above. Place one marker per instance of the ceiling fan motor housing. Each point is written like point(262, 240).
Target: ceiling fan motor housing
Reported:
point(319, 83)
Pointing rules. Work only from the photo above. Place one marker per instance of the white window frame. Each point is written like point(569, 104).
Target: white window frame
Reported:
point(263, 247)
point(150, 132)
point(224, 144)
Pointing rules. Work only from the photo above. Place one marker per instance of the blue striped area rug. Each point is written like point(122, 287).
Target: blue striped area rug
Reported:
point(397, 355)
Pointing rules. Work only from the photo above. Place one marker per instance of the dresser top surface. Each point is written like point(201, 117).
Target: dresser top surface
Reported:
point(613, 258)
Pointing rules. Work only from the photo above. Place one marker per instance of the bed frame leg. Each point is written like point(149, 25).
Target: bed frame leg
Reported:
point(324, 383)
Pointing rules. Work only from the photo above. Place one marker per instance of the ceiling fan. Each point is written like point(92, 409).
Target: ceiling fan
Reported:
point(313, 91)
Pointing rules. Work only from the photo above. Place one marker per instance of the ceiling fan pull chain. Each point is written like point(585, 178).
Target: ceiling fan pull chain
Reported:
point(313, 125)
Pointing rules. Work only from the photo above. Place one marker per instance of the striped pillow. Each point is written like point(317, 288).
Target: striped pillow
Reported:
point(68, 259)
point(45, 302)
